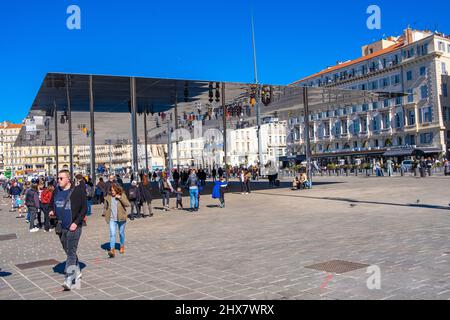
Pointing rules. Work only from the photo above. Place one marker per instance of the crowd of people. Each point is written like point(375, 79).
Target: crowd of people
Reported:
point(61, 204)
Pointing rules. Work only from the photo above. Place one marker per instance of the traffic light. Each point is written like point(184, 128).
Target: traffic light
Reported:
point(266, 95)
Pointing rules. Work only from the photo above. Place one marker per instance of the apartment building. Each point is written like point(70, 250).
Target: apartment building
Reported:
point(415, 63)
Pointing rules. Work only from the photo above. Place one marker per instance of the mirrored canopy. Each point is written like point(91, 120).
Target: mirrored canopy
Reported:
point(165, 105)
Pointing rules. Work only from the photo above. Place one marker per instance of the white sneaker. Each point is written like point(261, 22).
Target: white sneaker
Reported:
point(34, 230)
point(51, 230)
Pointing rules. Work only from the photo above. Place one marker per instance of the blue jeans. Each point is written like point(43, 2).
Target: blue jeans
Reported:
point(89, 207)
point(194, 198)
point(112, 233)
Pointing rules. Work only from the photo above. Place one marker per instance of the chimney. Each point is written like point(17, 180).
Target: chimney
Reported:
point(409, 36)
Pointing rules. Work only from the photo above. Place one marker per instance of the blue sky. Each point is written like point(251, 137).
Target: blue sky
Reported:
point(190, 39)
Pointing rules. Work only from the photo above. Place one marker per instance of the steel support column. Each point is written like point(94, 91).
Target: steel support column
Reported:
point(134, 141)
point(55, 118)
point(69, 115)
point(92, 136)
point(224, 117)
point(146, 140)
point(308, 143)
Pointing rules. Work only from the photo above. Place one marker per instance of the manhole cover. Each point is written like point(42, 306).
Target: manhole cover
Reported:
point(37, 264)
point(338, 266)
point(10, 236)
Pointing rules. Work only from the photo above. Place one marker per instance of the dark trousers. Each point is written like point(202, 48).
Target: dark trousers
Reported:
point(32, 211)
point(69, 241)
point(135, 205)
point(165, 198)
point(180, 203)
point(47, 223)
point(247, 186)
point(222, 197)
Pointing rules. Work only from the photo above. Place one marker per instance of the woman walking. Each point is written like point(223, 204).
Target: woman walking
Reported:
point(145, 190)
point(166, 188)
point(33, 205)
point(116, 216)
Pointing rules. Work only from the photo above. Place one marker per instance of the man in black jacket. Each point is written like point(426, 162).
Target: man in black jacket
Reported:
point(69, 204)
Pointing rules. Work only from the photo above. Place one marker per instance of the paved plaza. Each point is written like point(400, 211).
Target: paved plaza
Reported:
point(259, 247)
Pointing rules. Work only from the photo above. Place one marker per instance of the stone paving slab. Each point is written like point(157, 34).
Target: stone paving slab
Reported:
point(255, 248)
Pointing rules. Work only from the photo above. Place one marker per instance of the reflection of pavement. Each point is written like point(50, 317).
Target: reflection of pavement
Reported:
point(257, 247)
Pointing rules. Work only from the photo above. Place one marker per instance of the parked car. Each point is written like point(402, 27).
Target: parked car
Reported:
point(407, 165)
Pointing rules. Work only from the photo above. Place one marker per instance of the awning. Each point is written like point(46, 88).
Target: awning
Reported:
point(418, 152)
point(398, 153)
point(363, 153)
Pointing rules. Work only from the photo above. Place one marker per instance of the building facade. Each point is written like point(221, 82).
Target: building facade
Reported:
point(417, 64)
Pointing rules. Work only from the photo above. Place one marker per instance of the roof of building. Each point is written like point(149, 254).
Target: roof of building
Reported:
point(11, 126)
point(356, 61)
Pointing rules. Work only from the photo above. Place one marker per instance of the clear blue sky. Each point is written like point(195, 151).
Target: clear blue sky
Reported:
point(190, 39)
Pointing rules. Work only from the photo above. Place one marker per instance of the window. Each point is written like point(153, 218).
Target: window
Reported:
point(386, 103)
point(398, 101)
point(411, 140)
point(409, 76)
point(385, 82)
point(356, 126)
point(398, 120)
point(386, 121)
point(445, 113)
point(375, 105)
point(441, 46)
point(410, 96)
point(426, 138)
point(375, 124)
point(364, 125)
point(423, 71)
point(444, 68)
point(365, 107)
point(426, 115)
point(449, 48)
point(344, 127)
point(444, 90)
point(355, 144)
point(423, 92)
point(411, 117)
point(395, 79)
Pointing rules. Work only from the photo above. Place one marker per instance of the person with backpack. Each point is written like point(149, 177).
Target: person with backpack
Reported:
point(33, 205)
point(46, 198)
point(135, 198)
point(100, 191)
point(116, 216)
point(145, 190)
point(69, 206)
point(165, 187)
point(14, 193)
point(89, 195)
point(192, 184)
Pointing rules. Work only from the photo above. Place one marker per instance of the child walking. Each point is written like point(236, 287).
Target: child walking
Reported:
point(219, 191)
point(179, 195)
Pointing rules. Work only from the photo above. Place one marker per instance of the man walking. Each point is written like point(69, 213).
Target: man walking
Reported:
point(192, 184)
point(389, 165)
point(69, 205)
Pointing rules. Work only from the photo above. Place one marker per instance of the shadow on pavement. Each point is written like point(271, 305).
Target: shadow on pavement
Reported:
point(353, 201)
point(60, 267)
point(4, 274)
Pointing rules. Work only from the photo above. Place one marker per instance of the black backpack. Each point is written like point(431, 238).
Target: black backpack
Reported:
point(133, 193)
